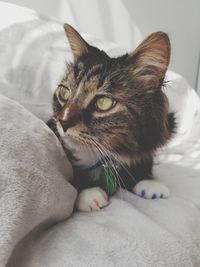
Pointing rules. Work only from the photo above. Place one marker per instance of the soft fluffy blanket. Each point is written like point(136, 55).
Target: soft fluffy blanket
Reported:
point(33, 189)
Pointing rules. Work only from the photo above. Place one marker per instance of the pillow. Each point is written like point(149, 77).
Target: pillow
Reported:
point(183, 101)
point(33, 53)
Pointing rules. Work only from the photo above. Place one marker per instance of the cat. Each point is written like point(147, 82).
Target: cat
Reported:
point(111, 114)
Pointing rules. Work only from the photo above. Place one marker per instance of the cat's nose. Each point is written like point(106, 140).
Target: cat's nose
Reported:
point(66, 125)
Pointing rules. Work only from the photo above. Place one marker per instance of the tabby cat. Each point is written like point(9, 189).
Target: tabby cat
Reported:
point(111, 115)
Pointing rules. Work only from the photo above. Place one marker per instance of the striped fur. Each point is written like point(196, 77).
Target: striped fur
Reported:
point(139, 123)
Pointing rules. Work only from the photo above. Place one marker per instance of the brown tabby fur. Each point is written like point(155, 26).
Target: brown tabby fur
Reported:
point(139, 123)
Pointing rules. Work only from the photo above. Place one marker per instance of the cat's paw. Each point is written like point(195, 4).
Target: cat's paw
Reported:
point(91, 199)
point(151, 189)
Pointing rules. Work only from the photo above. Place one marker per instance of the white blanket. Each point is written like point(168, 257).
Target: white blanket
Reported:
point(131, 231)
point(33, 189)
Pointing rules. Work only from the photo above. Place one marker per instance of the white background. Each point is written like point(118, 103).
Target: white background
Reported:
point(127, 22)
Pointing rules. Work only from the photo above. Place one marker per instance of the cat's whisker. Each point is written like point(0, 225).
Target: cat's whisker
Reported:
point(115, 169)
point(99, 157)
point(123, 166)
point(115, 155)
point(102, 151)
point(104, 163)
point(116, 175)
point(119, 179)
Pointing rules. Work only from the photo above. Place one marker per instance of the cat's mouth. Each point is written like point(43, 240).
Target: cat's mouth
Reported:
point(83, 154)
point(81, 141)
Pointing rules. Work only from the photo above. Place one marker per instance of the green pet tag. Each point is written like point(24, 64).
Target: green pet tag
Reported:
point(104, 178)
point(108, 182)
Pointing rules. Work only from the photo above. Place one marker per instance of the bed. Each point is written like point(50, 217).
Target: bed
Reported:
point(38, 227)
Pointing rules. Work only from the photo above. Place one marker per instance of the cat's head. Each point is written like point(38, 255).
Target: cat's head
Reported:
point(113, 105)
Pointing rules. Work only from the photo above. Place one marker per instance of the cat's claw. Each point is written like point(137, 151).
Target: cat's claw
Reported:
point(91, 199)
point(151, 189)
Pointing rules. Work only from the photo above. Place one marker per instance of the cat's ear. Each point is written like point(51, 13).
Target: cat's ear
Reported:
point(149, 61)
point(78, 45)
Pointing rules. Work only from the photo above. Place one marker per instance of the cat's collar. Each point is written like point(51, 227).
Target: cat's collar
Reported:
point(105, 164)
point(93, 167)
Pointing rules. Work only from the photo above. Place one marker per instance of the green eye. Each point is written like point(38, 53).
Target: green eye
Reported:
point(105, 103)
point(64, 93)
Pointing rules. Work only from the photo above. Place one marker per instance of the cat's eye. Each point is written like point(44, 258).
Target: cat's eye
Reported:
point(104, 103)
point(64, 92)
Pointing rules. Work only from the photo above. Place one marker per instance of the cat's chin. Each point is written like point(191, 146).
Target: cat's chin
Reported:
point(83, 156)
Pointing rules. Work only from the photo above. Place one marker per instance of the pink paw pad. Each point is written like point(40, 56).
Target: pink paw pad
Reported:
point(96, 202)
